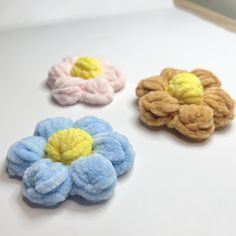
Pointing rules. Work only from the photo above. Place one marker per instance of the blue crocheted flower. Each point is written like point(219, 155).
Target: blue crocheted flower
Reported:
point(66, 158)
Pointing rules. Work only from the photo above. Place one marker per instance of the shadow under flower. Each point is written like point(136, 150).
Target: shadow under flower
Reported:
point(75, 203)
point(125, 176)
point(33, 205)
point(81, 201)
point(4, 177)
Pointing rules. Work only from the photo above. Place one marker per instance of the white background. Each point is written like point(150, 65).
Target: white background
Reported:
point(176, 188)
point(20, 13)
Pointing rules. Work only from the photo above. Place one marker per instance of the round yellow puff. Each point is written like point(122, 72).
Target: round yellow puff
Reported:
point(68, 145)
point(86, 68)
point(187, 88)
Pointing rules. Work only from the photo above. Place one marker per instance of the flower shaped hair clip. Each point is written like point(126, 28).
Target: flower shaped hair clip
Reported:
point(193, 102)
point(85, 80)
point(66, 158)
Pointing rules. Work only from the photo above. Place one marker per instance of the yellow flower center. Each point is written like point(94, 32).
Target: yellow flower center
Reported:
point(68, 145)
point(86, 68)
point(187, 88)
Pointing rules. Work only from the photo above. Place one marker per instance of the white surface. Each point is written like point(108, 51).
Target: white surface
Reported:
point(22, 13)
point(176, 188)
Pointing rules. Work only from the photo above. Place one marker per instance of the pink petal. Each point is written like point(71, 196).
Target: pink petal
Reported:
point(67, 91)
point(60, 70)
point(115, 77)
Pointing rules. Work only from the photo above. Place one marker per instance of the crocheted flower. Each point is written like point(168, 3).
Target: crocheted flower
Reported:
point(191, 102)
point(66, 158)
point(84, 79)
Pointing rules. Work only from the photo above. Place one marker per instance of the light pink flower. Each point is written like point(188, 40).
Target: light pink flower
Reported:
point(68, 90)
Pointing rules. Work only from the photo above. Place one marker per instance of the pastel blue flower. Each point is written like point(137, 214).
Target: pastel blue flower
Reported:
point(66, 158)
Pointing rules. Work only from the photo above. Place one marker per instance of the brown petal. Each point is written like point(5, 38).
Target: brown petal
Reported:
point(169, 73)
point(157, 108)
point(208, 79)
point(154, 83)
point(222, 105)
point(194, 121)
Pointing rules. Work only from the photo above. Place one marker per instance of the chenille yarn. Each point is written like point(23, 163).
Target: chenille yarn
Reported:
point(68, 145)
point(86, 68)
point(65, 158)
point(193, 102)
point(187, 88)
point(84, 80)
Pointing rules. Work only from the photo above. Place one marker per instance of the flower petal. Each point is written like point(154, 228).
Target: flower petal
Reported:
point(48, 127)
point(94, 178)
point(114, 76)
point(24, 153)
point(154, 83)
point(47, 183)
point(117, 149)
point(95, 91)
point(194, 121)
point(60, 70)
point(222, 105)
point(93, 125)
point(157, 108)
point(207, 78)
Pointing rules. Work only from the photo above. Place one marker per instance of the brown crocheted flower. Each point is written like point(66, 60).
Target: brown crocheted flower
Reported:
point(191, 102)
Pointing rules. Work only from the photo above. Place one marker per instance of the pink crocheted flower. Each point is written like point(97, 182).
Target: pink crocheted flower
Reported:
point(84, 79)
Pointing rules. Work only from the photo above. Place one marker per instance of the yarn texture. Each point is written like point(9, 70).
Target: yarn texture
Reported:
point(67, 145)
point(193, 102)
point(66, 158)
point(187, 88)
point(84, 80)
point(86, 67)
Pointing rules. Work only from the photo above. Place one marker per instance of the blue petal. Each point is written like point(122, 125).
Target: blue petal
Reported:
point(117, 149)
point(24, 153)
point(48, 127)
point(93, 125)
point(47, 183)
point(94, 178)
